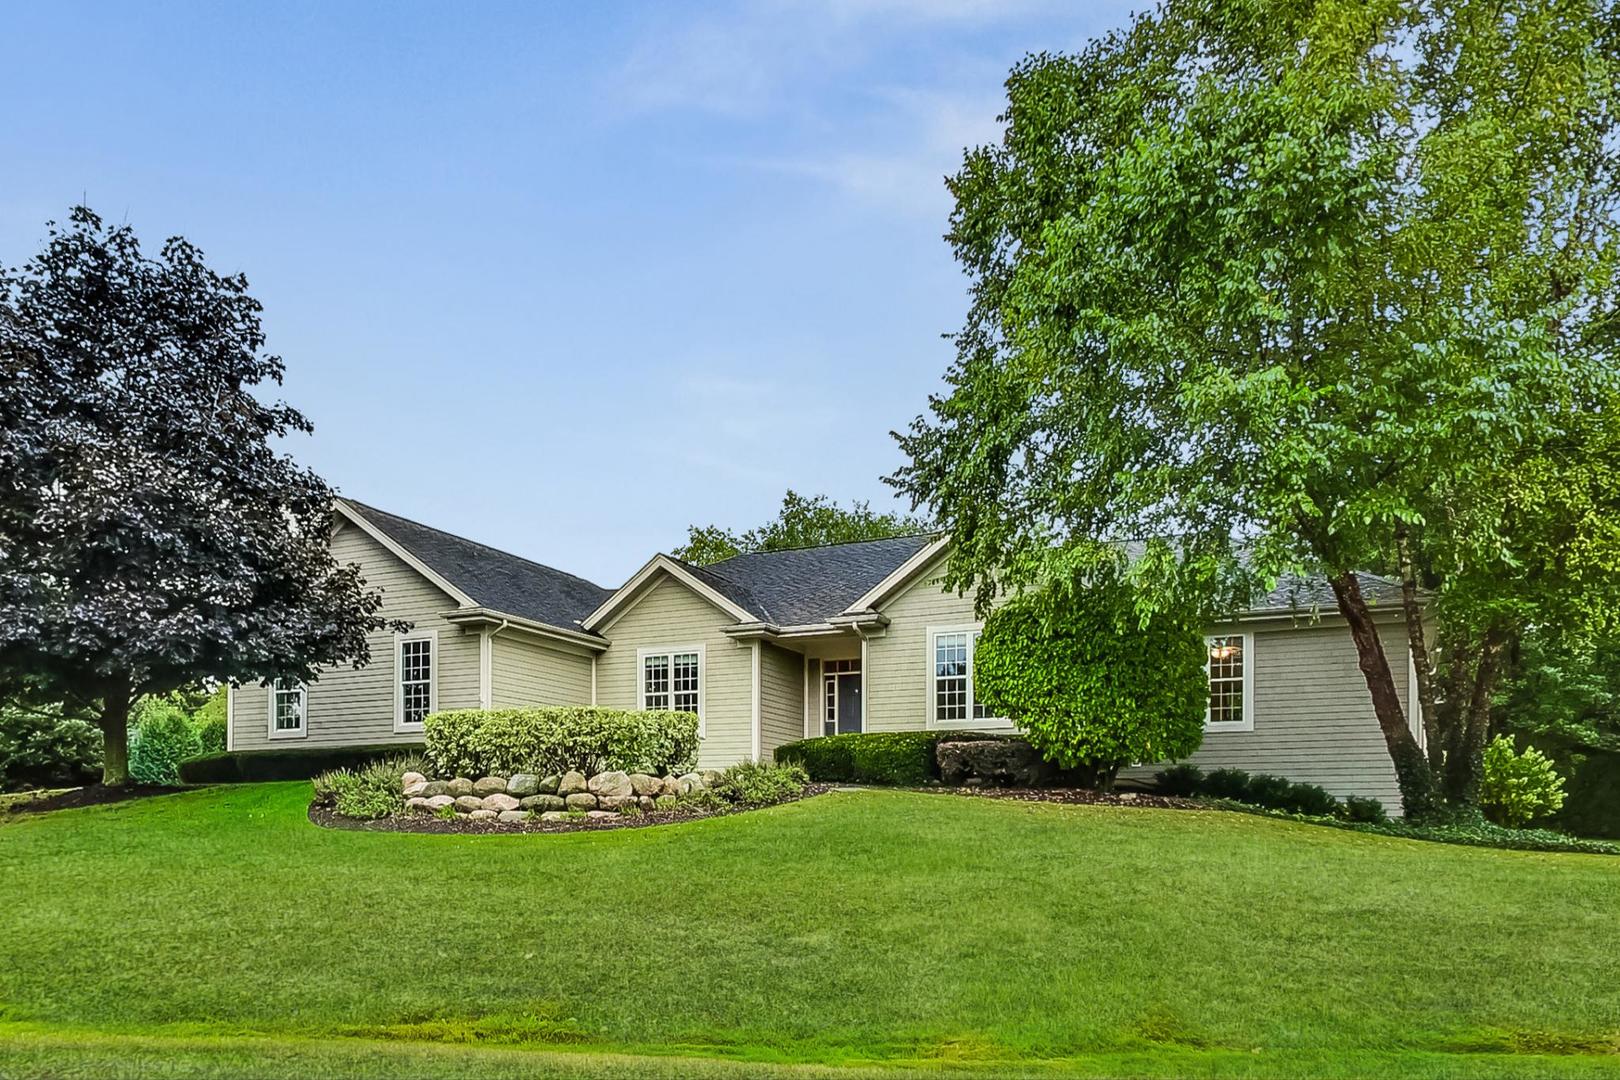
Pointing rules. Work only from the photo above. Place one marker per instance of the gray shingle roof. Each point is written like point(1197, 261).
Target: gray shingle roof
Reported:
point(807, 585)
point(493, 578)
point(1305, 593)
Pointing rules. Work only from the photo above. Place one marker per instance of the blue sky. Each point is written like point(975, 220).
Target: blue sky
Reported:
point(564, 278)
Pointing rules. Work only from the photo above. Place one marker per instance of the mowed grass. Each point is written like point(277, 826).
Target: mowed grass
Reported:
point(218, 932)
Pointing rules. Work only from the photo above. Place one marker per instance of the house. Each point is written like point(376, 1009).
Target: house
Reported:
point(772, 647)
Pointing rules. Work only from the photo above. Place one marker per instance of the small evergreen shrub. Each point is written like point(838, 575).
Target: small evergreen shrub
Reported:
point(760, 783)
point(1364, 810)
point(1263, 789)
point(1518, 788)
point(548, 741)
point(906, 758)
point(1226, 784)
point(701, 799)
point(43, 748)
point(162, 738)
point(1179, 780)
point(370, 791)
point(1313, 800)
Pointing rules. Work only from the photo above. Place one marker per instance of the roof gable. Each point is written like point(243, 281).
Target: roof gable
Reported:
point(477, 575)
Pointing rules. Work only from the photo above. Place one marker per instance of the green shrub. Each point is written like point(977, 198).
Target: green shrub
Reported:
point(701, 799)
point(760, 783)
point(371, 791)
point(41, 747)
point(878, 757)
point(1226, 784)
point(162, 738)
point(253, 766)
point(1180, 780)
point(1090, 683)
point(1368, 811)
point(209, 723)
point(1312, 800)
point(546, 741)
point(1263, 789)
point(1518, 788)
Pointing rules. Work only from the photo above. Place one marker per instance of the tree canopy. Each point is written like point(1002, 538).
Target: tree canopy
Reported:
point(151, 536)
point(1301, 286)
point(802, 522)
point(1092, 683)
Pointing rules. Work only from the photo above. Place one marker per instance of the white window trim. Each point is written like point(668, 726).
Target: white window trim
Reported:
point(1247, 723)
point(436, 658)
point(671, 650)
point(829, 693)
point(303, 713)
point(930, 701)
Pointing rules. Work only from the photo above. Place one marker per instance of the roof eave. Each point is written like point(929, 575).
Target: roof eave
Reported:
point(490, 616)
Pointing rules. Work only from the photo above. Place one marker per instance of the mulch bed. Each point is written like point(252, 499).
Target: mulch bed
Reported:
point(328, 818)
point(94, 795)
point(1081, 796)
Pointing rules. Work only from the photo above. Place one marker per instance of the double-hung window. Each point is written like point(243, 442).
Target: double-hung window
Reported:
point(672, 678)
point(287, 706)
point(1231, 683)
point(416, 692)
point(951, 700)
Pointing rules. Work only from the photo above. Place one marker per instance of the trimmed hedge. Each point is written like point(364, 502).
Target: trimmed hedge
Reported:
point(1264, 790)
point(547, 741)
point(907, 758)
point(246, 767)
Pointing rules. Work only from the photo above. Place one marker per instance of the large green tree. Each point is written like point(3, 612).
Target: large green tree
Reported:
point(1302, 286)
point(802, 522)
point(151, 534)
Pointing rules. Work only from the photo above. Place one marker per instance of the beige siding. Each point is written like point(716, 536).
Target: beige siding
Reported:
point(781, 699)
point(669, 614)
point(1313, 719)
point(525, 672)
point(897, 663)
point(356, 707)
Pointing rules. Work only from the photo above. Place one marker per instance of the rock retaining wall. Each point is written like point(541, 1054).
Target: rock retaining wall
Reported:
point(552, 798)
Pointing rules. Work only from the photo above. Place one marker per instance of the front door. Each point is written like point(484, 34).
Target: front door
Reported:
point(849, 703)
point(841, 697)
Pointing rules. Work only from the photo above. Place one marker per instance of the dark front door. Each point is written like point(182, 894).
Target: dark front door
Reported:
point(849, 703)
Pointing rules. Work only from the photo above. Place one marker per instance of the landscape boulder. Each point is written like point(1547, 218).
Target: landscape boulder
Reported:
point(435, 787)
point(482, 815)
point(499, 802)
point(469, 803)
point(646, 802)
point(418, 788)
point(612, 783)
point(642, 784)
point(411, 778)
point(459, 786)
point(542, 802)
point(418, 804)
point(597, 815)
point(614, 802)
point(554, 816)
point(490, 785)
point(548, 786)
point(672, 785)
point(1007, 762)
point(571, 783)
point(581, 800)
point(439, 802)
point(510, 816)
point(522, 784)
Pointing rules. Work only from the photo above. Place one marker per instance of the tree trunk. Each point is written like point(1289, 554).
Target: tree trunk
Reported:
point(1419, 796)
point(1464, 765)
point(115, 735)
point(1422, 664)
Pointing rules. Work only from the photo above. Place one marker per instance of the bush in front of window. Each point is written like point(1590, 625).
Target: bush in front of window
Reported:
point(906, 758)
point(162, 739)
point(1091, 684)
point(552, 740)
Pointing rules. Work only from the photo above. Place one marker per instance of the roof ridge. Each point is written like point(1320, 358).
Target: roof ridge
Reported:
point(836, 543)
point(366, 507)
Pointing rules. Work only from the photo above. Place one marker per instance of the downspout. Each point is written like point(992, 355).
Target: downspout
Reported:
point(486, 664)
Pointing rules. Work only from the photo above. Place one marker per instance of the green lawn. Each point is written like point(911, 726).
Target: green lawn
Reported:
point(219, 933)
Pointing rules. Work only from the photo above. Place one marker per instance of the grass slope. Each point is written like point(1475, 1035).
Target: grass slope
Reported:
point(855, 928)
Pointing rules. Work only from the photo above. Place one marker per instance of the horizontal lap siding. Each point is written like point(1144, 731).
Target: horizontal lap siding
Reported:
point(356, 707)
point(897, 662)
point(781, 699)
point(669, 614)
point(526, 672)
point(1313, 717)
